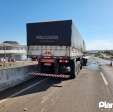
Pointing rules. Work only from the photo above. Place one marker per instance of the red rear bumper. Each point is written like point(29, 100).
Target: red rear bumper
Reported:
point(50, 75)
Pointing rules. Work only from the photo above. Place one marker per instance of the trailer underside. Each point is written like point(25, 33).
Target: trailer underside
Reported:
point(51, 67)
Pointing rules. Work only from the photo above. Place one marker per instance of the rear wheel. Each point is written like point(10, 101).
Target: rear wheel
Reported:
point(72, 73)
point(67, 69)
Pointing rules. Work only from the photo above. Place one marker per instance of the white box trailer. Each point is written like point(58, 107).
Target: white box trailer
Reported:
point(54, 44)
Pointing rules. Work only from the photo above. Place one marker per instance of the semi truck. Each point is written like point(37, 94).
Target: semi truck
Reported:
point(55, 45)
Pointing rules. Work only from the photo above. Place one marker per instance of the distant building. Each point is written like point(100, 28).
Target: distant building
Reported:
point(12, 49)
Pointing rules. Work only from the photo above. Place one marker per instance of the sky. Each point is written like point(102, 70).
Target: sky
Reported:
point(93, 19)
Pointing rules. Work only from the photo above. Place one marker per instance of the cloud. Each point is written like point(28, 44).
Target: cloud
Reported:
point(101, 44)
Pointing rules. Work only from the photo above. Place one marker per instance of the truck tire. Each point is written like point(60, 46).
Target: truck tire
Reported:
point(72, 73)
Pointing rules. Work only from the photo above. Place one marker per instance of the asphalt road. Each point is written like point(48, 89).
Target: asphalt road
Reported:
point(81, 94)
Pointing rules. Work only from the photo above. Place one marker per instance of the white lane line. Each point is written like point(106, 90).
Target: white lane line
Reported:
point(23, 90)
point(104, 79)
point(29, 87)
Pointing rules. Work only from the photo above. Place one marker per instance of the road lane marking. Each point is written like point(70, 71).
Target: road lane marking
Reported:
point(29, 87)
point(104, 79)
point(23, 90)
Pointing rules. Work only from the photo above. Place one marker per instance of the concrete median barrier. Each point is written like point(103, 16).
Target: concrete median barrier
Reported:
point(13, 76)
